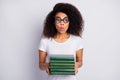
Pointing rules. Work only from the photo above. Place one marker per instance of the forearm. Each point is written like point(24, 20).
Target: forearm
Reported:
point(79, 54)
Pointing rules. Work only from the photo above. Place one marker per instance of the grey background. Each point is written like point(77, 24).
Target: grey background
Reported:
point(21, 24)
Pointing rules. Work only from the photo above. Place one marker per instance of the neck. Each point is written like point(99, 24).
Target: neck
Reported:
point(62, 36)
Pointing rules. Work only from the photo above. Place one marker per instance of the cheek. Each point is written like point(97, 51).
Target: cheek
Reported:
point(66, 27)
point(56, 26)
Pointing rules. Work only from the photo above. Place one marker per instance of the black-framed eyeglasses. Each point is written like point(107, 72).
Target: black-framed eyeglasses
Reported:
point(58, 19)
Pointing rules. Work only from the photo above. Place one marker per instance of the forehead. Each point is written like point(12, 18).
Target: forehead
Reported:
point(61, 15)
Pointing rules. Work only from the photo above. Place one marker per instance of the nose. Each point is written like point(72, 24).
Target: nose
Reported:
point(62, 22)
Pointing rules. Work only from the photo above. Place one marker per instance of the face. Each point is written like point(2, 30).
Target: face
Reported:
point(61, 22)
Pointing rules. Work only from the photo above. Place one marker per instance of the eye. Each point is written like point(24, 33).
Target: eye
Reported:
point(57, 19)
point(66, 20)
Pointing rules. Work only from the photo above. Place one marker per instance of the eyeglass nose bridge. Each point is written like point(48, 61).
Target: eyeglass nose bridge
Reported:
point(62, 20)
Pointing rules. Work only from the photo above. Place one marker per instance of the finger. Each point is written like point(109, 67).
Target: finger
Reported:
point(47, 70)
point(76, 71)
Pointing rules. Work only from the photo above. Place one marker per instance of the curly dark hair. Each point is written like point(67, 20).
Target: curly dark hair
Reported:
point(75, 18)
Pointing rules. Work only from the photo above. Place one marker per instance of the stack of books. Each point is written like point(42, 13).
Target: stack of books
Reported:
point(62, 65)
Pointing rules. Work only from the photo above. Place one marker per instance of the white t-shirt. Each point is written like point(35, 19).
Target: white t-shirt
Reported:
point(69, 47)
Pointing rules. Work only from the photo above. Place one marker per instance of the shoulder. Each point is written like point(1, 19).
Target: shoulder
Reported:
point(44, 40)
point(76, 38)
point(78, 41)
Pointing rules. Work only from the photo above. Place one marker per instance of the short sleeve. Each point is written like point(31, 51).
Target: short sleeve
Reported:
point(79, 43)
point(42, 45)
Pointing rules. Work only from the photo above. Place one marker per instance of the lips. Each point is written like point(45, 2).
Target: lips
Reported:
point(61, 28)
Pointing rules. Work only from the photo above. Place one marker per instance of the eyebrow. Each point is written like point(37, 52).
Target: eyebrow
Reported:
point(60, 17)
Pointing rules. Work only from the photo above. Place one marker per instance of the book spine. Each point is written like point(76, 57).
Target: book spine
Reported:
point(62, 63)
point(62, 73)
point(62, 70)
point(61, 66)
point(62, 58)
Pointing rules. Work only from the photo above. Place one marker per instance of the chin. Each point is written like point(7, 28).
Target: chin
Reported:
point(62, 32)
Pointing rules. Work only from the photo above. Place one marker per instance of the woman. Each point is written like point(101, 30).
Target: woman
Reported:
point(62, 35)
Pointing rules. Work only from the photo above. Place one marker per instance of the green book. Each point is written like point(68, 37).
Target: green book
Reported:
point(62, 70)
point(61, 58)
point(62, 73)
point(63, 63)
point(62, 66)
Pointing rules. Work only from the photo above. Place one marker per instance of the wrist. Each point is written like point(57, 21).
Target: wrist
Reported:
point(43, 66)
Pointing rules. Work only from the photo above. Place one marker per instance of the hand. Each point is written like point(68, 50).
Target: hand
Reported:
point(76, 67)
point(47, 69)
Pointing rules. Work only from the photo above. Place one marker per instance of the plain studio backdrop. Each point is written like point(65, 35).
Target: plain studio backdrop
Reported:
point(21, 24)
